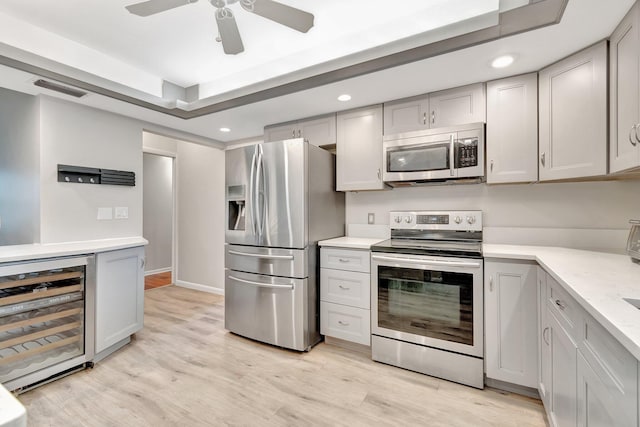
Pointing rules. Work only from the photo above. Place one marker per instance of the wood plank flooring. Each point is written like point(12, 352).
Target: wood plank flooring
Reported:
point(185, 369)
point(153, 281)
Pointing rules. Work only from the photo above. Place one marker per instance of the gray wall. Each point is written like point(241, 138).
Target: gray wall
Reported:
point(157, 221)
point(19, 168)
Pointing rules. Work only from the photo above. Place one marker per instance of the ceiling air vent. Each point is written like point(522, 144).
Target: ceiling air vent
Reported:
point(60, 88)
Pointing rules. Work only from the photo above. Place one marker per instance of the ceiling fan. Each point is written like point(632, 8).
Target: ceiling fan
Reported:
point(227, 28)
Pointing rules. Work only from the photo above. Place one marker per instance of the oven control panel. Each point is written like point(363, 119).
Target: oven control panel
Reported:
point(436, 220)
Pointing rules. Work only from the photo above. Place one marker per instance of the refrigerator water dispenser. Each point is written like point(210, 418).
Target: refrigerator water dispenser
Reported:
point(236, 207)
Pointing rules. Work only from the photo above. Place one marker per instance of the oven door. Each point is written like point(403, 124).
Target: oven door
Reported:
point(426, 300)
point(420, 158)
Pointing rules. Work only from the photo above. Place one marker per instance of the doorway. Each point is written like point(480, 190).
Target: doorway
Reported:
point(158, 218)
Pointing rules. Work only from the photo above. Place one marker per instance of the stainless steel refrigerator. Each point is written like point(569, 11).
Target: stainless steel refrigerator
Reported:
point(280, 201)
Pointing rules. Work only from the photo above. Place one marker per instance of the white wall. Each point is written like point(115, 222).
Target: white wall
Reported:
point(583, 206)
point(19, 168)
point(75, 135)
point(157, 222)
point(200, 191)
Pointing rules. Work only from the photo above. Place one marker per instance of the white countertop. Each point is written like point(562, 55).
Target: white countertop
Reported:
point(12, 413)
point(598, 281)
point(350, 242)
point(50, 250)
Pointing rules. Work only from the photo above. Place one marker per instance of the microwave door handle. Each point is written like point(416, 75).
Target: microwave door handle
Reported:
point(451, 155)
point(427, 261)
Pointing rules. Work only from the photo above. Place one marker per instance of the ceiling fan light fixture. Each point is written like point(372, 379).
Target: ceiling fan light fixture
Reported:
point(344, 97)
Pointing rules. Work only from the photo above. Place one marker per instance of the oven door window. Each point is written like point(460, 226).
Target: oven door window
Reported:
point(421, 158)
point(429, 303)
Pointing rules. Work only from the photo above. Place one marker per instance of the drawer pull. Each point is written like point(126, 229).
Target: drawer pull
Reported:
point(343, 260)
point(560, 304)
point(544, 335)
point(343, 323)
point(344, 288)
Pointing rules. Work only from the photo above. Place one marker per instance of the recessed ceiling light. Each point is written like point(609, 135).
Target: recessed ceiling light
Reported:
point(225, 130)
point(344, 98)
point(502, 61)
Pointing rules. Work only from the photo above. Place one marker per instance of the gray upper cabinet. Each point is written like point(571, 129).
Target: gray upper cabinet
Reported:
point(573, 116)
point(625, 93)
point(359, 149)
point(457, 106)
point(406, 115)
point(319, 131)
point(512, 129)
point(461, 105)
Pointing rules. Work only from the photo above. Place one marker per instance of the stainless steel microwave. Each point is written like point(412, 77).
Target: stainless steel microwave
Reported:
point(436, 154)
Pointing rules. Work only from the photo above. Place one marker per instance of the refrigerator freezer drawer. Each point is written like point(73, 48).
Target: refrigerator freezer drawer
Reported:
point(270, 309)
point(269, 261)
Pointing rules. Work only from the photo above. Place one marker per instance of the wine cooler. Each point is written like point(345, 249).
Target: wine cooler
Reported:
point(46, 319)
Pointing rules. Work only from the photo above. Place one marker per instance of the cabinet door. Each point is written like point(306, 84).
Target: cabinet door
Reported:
point(512, 129)
point(406, 115)
point(281, 132)
point(457, 106)
point(573, 116)
point(625, 93)
point(596, 405)
point(119, 295)
point(320, 131)
point(511, 322)
point(562, 400)
point(359, 149)
point(544, 345)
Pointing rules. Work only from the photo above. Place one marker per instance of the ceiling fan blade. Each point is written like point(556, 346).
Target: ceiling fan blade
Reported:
point(152, 7)
point(282, 14)
point(229, 34)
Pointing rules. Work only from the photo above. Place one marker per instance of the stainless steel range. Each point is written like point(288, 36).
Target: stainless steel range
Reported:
point(427, 300)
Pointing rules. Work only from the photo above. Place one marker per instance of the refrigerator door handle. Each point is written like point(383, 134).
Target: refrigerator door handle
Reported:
point(252, 191)
point(262, 256)
point(290, 286)
point(260, 208)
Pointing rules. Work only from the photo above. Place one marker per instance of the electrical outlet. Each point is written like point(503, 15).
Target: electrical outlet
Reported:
point(371, 218)
point(122, 212)
point(105, 214)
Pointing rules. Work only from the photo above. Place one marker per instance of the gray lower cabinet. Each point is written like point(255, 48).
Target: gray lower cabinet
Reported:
point(345, 294)
point(512, 129)
point(359, 149)
point(573, 116)
point(624, 90)
point(562, 366)
point(511, 321)
point(119, 296)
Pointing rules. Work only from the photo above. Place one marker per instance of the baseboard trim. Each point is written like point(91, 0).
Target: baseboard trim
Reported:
point(512, 388)
point(157, 271)
point(199, 287)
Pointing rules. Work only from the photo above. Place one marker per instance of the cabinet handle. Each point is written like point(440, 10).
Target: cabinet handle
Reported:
point(637, 136)
point(378, 174)
point(343, 260)
point(424, 118)
point(561, 305)
point(141, 262)
point(433, 116)
point(491, 167)
point(299, 133)
point(491, 284)
point(293, 133)
point(544, 335)
point(343, 323)
point(344, 288)
point(542, 159)
point(634, 128)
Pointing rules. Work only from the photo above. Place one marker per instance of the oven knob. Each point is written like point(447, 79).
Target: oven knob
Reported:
point(408, 220)
point(471, 219)
point(457, 220)
point(398, 219)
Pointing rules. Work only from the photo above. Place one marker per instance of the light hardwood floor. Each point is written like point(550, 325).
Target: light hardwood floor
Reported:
point(185, 369)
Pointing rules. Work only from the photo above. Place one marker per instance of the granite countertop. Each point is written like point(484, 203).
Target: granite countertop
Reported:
point(598, 281)
point(347, 242)
point(51, 250)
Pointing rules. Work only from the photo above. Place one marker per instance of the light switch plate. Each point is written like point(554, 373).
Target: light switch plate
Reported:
point(105, 214)
point(122, 212)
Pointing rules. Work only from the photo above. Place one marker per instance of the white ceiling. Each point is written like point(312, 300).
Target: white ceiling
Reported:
point(584, 22)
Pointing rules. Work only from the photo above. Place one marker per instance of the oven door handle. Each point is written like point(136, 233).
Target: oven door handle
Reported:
point(427, 261)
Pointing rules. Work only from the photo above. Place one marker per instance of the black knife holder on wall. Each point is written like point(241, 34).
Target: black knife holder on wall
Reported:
point(83, 175)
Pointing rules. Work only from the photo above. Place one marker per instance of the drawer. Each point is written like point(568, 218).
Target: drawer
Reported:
point(346, 323)
point(345, 259)
point(345, 287)
point(616, 368)
point(564, 307)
